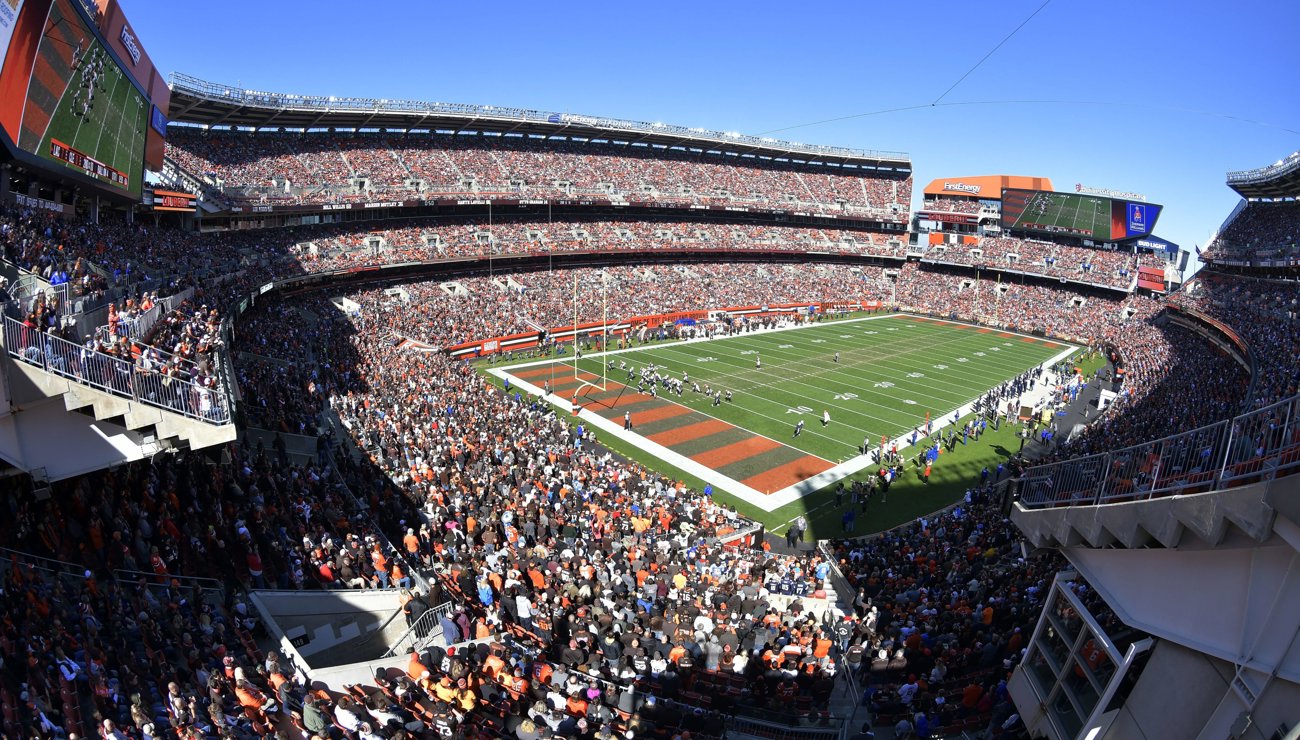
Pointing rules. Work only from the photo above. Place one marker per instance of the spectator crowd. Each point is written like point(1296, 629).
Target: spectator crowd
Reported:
point(1110, 268)
point(607, 598)
point(322, 168)
point(1262, 231)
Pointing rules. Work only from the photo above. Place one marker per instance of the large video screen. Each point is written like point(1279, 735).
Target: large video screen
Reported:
point(1073, 214)
point(72, 103)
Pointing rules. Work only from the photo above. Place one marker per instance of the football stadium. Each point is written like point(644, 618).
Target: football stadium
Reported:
point(371, 418)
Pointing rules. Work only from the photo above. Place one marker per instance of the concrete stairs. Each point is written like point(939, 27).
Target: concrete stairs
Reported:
point(50, 414)
point(1169, 521)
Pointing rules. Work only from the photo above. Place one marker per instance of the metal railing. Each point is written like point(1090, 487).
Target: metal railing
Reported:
point(844, 591)
point(779, 730)
point(332, 104)
point(1264, 174)
point(213, 590)
point(30, 287)
point(115, 375)
point(9, 556)
point(1263, 444)
point(421, 631)
point(142, 323)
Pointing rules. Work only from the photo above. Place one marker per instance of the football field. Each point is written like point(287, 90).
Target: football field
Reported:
point(872, 378)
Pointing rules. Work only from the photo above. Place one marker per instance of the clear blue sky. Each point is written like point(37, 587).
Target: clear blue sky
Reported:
point(756, 67)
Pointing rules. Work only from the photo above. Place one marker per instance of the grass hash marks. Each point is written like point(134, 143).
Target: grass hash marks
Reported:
point(890, 373)
point(879, 350)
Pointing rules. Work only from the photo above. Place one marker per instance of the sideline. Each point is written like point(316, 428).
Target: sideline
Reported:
point(766, 502)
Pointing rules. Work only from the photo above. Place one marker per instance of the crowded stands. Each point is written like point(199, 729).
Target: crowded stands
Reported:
point(321, 168)
point(583, 595)
point(1266, 313)
point(952, 205)
point(1080, 264)
point(1261, 230)
point(943, 610)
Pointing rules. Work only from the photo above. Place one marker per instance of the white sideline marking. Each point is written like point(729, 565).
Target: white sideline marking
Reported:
point(767, 502)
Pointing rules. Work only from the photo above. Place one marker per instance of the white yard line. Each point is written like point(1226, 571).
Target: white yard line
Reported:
point(61, 94)
point(861, 385)
point(763, 501)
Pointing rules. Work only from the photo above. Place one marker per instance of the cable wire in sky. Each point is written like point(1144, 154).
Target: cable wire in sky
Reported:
point(984, 58)
point(1143, 105)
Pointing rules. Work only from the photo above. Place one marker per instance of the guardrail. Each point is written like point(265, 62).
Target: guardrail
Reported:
point(781, 731)
point(9, 556)
point(115, 375)
point(214, 591)
point(416, 636)
point(1263, 444)
point(1263, 174)
point(146, 321)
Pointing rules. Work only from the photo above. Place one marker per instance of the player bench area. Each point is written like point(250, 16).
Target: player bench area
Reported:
point(771, 416)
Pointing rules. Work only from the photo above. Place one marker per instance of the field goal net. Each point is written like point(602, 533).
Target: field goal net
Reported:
point(590, 373)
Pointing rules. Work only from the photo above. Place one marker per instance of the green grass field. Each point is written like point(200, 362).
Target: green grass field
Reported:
point(890, 372)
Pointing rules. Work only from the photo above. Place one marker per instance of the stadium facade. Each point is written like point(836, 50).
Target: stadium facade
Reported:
point(1182, 549)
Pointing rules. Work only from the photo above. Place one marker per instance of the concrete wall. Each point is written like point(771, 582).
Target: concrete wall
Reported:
point(335, 622)
point(1185, 694)
point(1239, 603)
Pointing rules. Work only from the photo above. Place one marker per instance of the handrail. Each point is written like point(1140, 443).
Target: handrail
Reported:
point(420, 629)
point(1261, 174)
point(50, 564)
point(1263, 444)
point(420, 581)
point(148, 319)
point(771, 728)
point(209, 585)
point(115, 375)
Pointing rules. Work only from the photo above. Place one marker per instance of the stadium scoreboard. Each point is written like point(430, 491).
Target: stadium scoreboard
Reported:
point(74, 98)
point(1076, 214)
point(171, 200)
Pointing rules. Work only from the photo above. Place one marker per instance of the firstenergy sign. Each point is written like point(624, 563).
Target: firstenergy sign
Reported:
point(962, 187)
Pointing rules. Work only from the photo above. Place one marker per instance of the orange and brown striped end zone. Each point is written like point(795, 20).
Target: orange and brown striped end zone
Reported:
point(787, 474)
point(767, 465)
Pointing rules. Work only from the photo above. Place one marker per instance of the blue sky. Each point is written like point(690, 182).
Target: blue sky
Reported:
point(1166, 75)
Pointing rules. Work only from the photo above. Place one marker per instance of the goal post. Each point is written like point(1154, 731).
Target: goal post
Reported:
point(593, 377)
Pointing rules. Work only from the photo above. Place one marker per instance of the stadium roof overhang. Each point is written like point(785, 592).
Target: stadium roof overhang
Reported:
point(1278, 180)
point(204, 103)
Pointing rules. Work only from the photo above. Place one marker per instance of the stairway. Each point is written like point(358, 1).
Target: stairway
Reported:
point(1171, 521)
point(60, 422)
